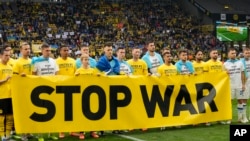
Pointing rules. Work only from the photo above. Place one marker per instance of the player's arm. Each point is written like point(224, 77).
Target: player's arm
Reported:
point(56, 69)
point(243, 79)
point(225, 69)
point(34, 69)
point(145, 69)
point(159, 71)
point(5, 80)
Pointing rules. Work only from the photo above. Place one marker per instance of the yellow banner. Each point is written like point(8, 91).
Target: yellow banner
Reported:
point(92, 103)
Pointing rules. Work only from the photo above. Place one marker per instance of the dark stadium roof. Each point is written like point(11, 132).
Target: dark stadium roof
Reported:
point(218, 6)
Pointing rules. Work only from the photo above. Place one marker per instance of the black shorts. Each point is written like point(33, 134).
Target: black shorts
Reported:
point(6, 106)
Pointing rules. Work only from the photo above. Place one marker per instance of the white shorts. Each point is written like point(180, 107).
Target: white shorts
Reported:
point(238, 94)
point(247, 90)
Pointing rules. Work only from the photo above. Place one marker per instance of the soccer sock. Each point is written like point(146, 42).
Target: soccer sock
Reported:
point(244, 112)
point(9, 124)
point(240, 111)
point(2, 128)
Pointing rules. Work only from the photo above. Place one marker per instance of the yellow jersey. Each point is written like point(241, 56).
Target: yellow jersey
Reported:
point(199, 67)
point(22, 66)
point(214, 66)
point(139, 67)
point(88, 71)
point(66, 67)
point(165, 70)
point(11, 62)
point(5, 71)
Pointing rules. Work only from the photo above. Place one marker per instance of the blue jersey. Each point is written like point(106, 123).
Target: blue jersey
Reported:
point(92, 63)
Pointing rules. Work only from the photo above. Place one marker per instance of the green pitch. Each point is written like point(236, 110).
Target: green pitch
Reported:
point(224, 35)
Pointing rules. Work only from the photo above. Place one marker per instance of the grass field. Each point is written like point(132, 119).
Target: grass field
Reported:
point(215, 132)
point(225, 35)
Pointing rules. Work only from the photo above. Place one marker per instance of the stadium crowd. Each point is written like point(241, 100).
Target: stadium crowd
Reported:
point(123, 24)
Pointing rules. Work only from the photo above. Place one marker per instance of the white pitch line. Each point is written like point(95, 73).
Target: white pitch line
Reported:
point(131, 138)
point(225, 37)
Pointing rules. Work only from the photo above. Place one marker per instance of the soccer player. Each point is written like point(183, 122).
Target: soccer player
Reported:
point(235, 69)
point(65, 63)
point(200, 67)
point(22, 67)
point(44, 65)
point(167, 69)
point(184, 66)
point(6, 116)
point(152, 58)
point(108, 64)
point(246, 63)
point(85, 50)
point(66, 66)
point(11, 61)
point(199, 64)
point(125, 68)
point(138, 66)
point(213, 64)
point(167, 49)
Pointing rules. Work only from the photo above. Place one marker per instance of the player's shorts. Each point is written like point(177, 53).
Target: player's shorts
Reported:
point(6, 106)
point(247, 90)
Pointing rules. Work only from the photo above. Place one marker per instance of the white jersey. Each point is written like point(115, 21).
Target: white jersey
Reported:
point(184, 70)
point(46, 67)
point(247, 68)
point(154, 60)
point(246, 64)
point(235, 68)
point(124, 67)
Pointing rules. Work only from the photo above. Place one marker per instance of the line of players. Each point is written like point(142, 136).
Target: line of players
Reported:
point(151, 63)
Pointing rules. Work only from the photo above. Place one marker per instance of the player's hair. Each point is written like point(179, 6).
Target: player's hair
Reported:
point(6, 45)
point(23, 44)
point(62, 46)
point(135, 47)
point(119, 48)
point(182, 51)
point(164, 53)
point(107, 44)
point(149, 41)
point(246, 48)
point(84, 55)
point(212, 49)
point(84, 45)
point(2, 50)
point(165, 50)
point(197, 51)
point(44, 45)
point(231, 49)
